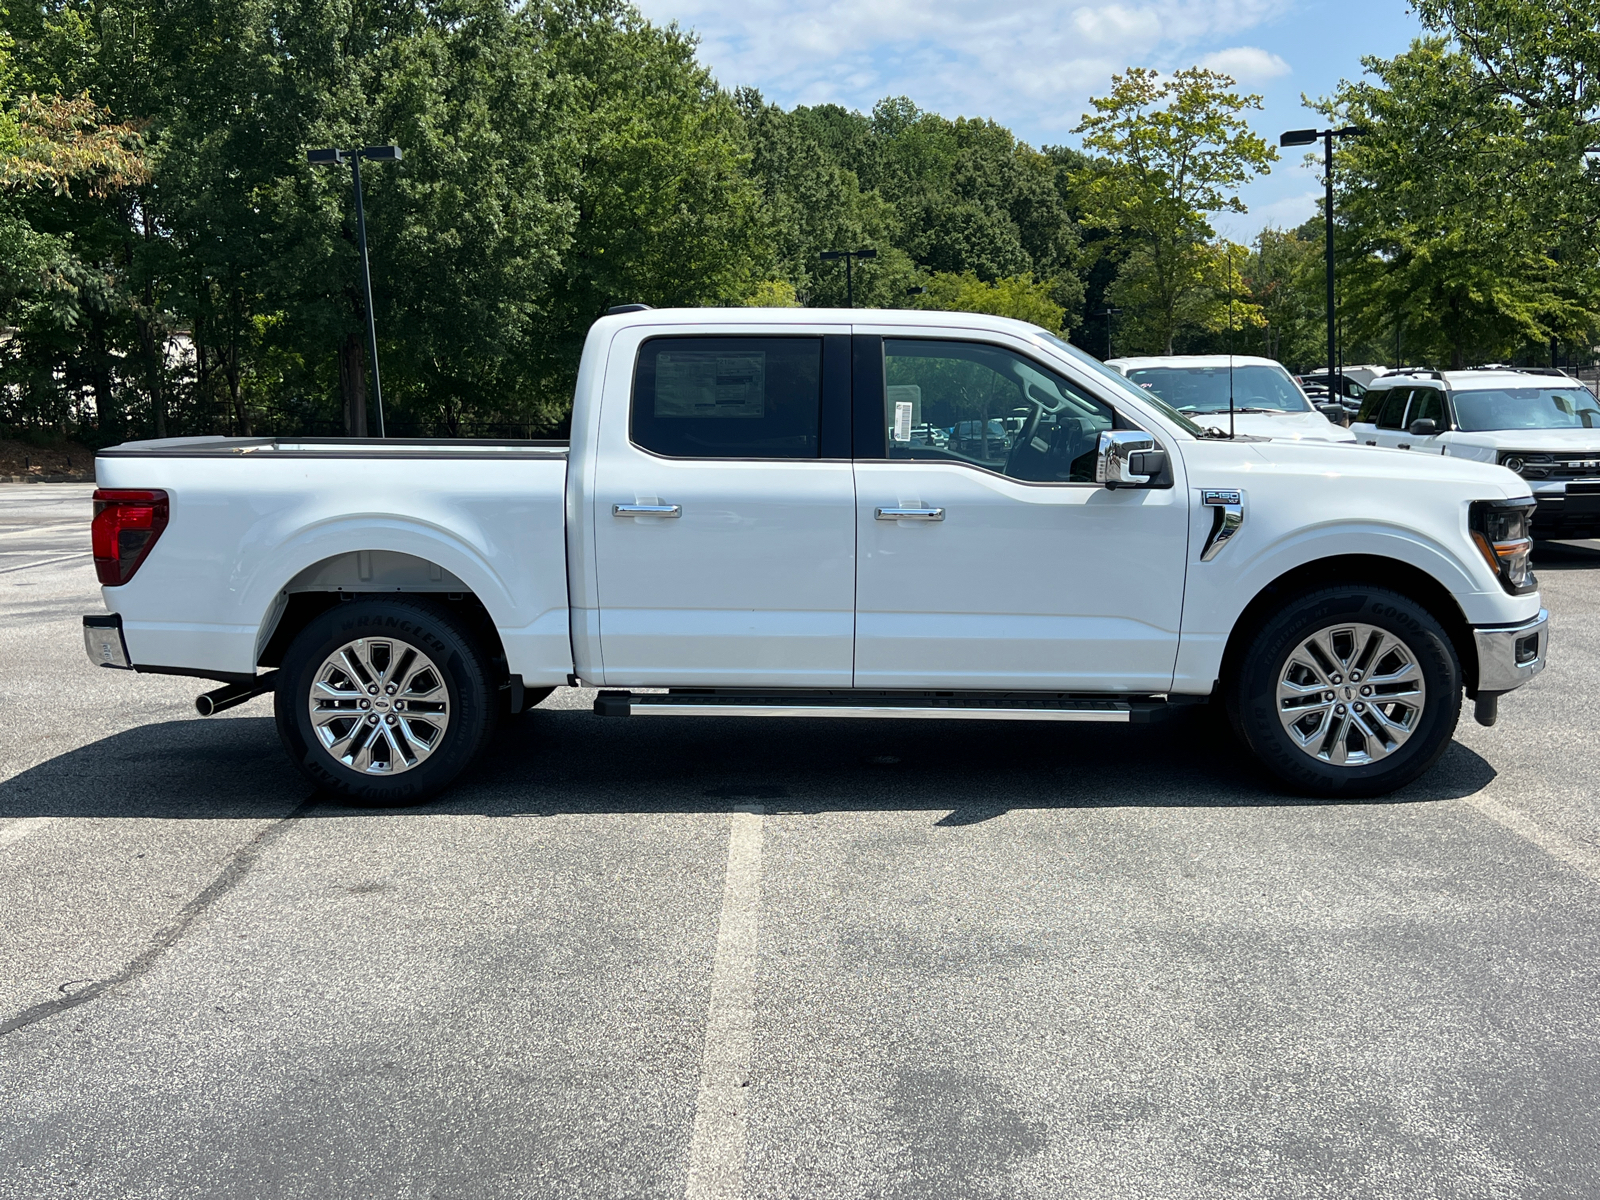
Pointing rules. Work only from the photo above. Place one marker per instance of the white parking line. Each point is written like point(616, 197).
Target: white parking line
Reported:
point(12, 832)
point(717, 1148)
point(1557, 845)
point(45, 562)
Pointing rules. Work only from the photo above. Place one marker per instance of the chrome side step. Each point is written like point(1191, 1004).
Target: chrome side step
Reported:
point(902, 706)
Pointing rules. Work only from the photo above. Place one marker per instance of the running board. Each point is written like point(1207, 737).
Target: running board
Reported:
point(990, 706)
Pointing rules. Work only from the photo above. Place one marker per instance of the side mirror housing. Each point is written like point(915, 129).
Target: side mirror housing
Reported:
point(1424, 427)
point(1337, 413)
point(1128, 458)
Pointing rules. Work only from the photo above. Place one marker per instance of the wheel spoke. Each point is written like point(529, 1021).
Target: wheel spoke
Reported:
point(379, 706)
point(1351, 694)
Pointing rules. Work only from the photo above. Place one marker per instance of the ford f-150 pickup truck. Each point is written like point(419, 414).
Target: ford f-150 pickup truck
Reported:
point(751, 520)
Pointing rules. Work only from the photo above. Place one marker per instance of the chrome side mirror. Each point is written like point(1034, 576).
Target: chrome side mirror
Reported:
point(1115, 462)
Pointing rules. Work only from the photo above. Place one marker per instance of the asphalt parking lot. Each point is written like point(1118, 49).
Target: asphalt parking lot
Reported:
point(808, 959)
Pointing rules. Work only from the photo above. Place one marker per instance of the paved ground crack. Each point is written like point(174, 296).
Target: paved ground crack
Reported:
point(238, 866)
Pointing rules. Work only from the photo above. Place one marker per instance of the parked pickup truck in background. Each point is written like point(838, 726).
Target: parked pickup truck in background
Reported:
point(750, 515)
point(1266, 401)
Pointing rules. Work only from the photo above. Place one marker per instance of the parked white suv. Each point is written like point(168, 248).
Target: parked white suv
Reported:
point(1542, 424)
point(1267, 402)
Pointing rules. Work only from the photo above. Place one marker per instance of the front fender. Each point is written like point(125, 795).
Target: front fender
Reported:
point(1218, 592)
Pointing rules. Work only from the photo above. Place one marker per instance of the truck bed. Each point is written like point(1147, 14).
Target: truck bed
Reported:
point(255, 521)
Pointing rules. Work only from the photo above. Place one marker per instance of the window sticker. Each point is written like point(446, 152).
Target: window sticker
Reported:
point(902, 420)
point(704, 383)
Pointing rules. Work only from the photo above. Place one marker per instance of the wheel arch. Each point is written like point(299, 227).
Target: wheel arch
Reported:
point(375, 573)
point(1357, 570)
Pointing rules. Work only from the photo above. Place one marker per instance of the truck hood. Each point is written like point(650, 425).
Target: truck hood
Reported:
point(1303, 426)
point(1227, 464)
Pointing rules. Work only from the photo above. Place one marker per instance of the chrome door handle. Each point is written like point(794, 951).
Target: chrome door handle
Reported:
point(910, 514)
point(647, 510)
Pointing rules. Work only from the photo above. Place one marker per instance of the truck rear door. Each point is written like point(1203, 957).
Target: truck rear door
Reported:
point(724, 509)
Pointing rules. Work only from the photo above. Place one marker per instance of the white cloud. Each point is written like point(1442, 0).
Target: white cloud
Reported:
point(1031, 64)
point(1247, 64)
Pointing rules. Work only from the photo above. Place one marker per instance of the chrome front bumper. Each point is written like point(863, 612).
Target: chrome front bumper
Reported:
point(102, 641)
point(1509, 656)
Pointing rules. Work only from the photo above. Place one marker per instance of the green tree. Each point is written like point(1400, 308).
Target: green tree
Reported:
point(1284, 276)
point(1175, 151)
point(1017, 296)
point(1446, 221)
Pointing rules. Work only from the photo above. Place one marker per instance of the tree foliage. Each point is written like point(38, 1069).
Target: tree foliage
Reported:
point(1450, 215)
point(1174, 152)
point(170, 263)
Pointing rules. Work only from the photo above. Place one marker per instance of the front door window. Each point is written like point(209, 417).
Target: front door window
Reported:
point(982, 405)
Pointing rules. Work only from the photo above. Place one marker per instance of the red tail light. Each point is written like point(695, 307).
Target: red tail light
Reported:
point(126, 526)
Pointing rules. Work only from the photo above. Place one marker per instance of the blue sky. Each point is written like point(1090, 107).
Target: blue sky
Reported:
point(1032, 64)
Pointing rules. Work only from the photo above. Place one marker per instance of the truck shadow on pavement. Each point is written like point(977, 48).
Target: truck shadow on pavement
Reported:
point(555, 761)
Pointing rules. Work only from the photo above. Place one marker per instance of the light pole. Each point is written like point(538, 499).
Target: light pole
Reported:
point(1304, 137)
point(1108, 312)
point(849, 257)
point(334, 158)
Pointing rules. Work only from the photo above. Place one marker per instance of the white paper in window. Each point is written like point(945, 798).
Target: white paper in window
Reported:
point(902, 420)
point(705, 383)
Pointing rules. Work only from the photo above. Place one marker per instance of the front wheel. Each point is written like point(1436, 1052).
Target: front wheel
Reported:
point(384, 701)
point(1348, 691)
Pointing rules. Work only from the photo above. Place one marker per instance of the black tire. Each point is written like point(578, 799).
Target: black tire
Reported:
point(403, 623)
point(1254, 705)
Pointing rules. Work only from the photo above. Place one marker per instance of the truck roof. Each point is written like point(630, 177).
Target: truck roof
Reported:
point(822, 316)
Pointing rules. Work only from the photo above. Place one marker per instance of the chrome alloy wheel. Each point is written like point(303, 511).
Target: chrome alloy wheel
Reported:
point(1351, 694)
point(379, 706)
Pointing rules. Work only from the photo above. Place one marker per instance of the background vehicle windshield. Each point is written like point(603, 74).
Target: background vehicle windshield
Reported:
point(1527, 408)
point(1120, 381)
point(1205, 389)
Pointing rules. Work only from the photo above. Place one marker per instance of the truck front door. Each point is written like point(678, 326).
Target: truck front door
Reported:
point(724, 510)
point(995, 562)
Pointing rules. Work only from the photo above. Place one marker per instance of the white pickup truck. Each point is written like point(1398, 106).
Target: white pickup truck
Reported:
point(751, 515)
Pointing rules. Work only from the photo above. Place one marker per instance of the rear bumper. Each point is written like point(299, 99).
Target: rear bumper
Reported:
point(103, 641)
point(1510, 655)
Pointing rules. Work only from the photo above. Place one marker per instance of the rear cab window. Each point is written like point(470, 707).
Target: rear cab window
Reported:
point(728, 397)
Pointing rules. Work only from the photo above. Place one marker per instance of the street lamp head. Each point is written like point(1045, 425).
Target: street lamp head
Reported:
point(324, 158)
point(1298, 137)
point(866, 254)
point(382, 153)
point(830, 255)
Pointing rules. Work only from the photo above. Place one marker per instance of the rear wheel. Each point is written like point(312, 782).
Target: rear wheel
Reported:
point(1348, 691)
point(384, 701)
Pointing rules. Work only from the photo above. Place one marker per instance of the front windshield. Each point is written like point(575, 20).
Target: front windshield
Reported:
point(1122, 384)
point(1527, 408)
point(1205, 389)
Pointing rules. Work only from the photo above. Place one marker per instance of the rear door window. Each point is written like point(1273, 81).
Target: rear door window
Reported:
point(728, 397)
point(1393, 413)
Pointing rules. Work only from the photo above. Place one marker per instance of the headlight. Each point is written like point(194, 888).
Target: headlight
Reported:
point(1529, 466)
point(1501, 531)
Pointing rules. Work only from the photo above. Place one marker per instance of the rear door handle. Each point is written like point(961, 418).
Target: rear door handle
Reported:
point(910, 514)
point(647, 510)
